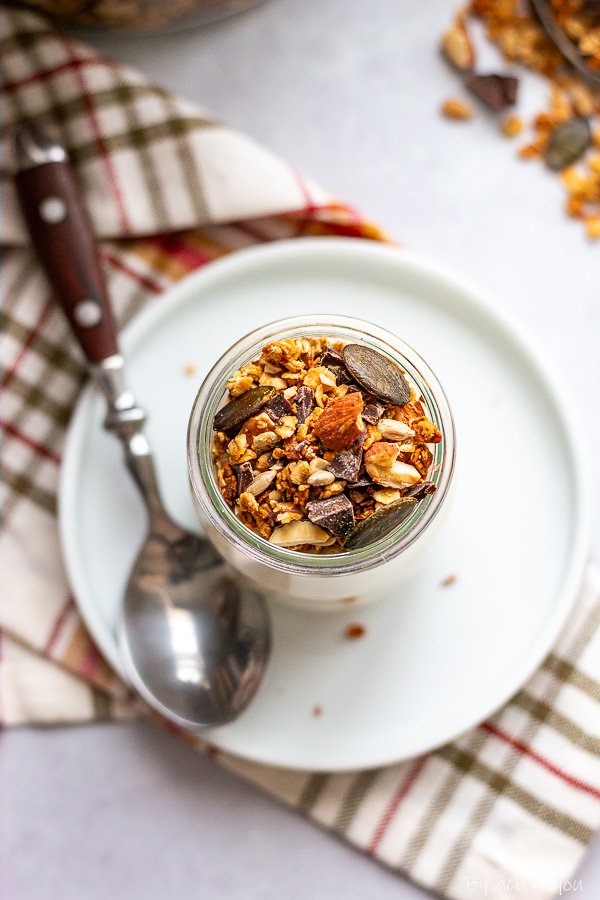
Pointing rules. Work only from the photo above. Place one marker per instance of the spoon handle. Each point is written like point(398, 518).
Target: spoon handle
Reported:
point(62, 235)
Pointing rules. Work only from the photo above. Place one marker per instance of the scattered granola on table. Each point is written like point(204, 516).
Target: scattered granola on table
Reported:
point(457, 109)
point(322, 446)
point(566, 135)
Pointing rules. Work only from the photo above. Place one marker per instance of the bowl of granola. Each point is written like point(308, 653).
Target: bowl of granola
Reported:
point(321, 453)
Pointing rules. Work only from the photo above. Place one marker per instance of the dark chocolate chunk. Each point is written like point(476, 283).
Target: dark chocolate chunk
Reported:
point(498, 92)
point(241, 408)
point(305, 401)
point(335, 363)
point(331, 357)
point(363, 482)
point(346, 465)
point(568, 142)
point(341, 374)
point(335, 515)
point(245, 477)
point(277, 407)
point(373, 411)
point(359, 442)
point(423, 489)
point(377, 374)
point(380, 523)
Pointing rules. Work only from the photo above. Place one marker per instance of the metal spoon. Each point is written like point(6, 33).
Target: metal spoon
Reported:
point(193, 642)
point(564, 44)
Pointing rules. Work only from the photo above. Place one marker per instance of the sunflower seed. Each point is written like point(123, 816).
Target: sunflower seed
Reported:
point(261, 482)
point(321, 478)
point(264, 441)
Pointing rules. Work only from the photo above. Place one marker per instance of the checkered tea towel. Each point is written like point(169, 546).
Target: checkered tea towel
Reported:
point(508, 808)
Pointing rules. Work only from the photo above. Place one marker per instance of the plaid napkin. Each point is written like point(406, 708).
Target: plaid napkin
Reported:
point(505, 810)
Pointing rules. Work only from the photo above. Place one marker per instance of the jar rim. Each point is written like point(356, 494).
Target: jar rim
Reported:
point(200, 432)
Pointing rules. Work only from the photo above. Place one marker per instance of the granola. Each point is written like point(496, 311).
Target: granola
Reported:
point(305, 451)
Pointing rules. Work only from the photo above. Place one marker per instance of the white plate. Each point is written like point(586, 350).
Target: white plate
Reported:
point(435, 660)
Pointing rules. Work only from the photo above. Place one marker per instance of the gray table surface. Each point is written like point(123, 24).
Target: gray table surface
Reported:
point(349, 92)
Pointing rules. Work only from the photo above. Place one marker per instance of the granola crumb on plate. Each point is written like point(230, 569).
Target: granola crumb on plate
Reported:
point(355, 631)
point(449, 580)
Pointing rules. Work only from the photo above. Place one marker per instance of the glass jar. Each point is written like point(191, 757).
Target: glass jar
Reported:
point(306, 580)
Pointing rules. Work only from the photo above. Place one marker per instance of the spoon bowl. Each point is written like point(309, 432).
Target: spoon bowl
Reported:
point(194, 642)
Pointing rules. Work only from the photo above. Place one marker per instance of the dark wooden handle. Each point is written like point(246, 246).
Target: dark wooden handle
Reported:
point(63, 239)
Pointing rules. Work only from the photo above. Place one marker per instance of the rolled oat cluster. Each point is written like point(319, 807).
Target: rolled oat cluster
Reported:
point(322, 446)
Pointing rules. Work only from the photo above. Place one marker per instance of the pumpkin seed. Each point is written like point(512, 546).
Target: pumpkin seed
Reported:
point(241, 408)
point(376, 373)
point(568, 142)
point(380, 523)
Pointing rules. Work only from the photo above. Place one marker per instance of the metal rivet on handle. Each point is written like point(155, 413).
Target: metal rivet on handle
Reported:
point(87, 313)
point(53, 210)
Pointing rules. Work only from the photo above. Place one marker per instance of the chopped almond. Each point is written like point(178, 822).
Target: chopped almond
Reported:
point(456, 109)
point(457, 46)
